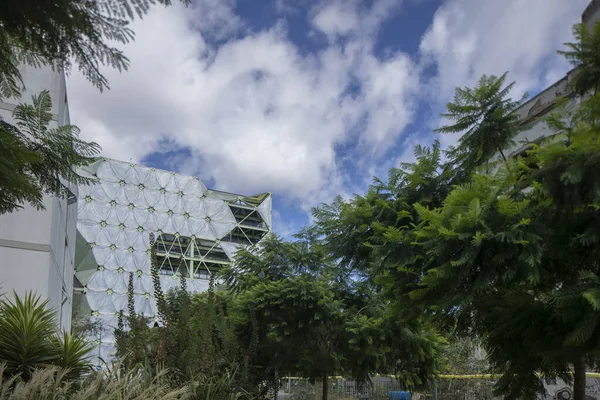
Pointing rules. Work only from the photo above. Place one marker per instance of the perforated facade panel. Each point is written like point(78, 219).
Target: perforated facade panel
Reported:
point(115, 217)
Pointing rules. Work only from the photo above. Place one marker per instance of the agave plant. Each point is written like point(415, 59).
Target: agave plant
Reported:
point(72, 354)
point(29, 339)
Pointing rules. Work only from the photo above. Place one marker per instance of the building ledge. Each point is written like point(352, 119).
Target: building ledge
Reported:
point(590, 10)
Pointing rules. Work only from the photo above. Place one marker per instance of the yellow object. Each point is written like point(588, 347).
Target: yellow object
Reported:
point(474, 376)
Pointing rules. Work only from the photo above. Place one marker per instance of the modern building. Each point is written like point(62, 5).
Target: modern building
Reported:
point(37, 247)
point(78, 252)
point(115, 218)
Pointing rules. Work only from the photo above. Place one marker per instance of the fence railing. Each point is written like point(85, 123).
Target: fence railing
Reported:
point(340, 389)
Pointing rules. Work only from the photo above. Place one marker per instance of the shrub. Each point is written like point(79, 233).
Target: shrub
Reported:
point(29, 339)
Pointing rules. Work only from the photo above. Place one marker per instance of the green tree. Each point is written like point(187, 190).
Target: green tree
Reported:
point(29, 339)
point(369, 234)
point(486, 119)
point(513, 257)
point(59, 32)
point(300, 313)
point(505, 254)
point(36, 157)
point(583, 55)
point(137, 343)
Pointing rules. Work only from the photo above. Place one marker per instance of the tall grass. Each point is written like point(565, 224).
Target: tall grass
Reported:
point(218, 388)
point(54, 383)
point(51, 383)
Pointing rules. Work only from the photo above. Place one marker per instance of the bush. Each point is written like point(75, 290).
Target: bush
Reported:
point(29, 339)
point(54, 383)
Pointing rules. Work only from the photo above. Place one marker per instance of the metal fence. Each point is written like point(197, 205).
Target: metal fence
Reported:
point(340, 389)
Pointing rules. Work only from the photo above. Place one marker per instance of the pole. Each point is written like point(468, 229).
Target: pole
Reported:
point(325, 387)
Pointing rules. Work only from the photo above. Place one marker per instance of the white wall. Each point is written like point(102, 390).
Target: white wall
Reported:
point(37, 247)
point(591, 15)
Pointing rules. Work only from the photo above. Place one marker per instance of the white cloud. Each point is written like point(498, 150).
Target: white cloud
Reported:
point(337, 19)
point(256, 114)
point(215, 18)
point(259, 115)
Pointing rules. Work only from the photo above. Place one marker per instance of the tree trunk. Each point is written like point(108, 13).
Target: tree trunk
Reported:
point(276, 384)
point(579, 379)
point(502, 153)
point(325, 387)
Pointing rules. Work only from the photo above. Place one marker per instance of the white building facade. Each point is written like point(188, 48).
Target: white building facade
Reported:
point(37, 247)
point(79, 251)
point(116, 215)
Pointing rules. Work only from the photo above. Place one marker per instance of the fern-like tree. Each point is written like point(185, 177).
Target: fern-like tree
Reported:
point(583, 55)
point(36, 156)
point(60, 32)
point(513, 257)
point(370, 234)
point(485, 117)
point(507, 254)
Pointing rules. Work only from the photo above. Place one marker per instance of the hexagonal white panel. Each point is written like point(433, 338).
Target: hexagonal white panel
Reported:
point(117, 213)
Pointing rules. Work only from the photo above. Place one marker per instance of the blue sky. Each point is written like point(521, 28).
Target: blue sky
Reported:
point(309, 99)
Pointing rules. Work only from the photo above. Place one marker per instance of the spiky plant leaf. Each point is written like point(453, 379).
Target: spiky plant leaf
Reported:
point(26, 331)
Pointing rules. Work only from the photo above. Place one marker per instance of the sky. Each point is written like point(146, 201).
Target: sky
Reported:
point(309, 99)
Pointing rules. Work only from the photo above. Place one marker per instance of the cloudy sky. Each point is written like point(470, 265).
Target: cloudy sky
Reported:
point(309, 99)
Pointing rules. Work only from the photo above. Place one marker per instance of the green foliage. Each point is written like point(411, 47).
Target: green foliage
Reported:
point(505, 252)
point(60, 32)
point(194, 338)
point(486, 118)
point(138, 344)
point(583, 54)
point(54, 383)
point(513, 256)
point(73, 353)
point(304, 315)
point(35, 157)
point(29, 339)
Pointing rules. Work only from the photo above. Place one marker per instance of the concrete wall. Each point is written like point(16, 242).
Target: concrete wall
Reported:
point(591, 14)
point(37, 247)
